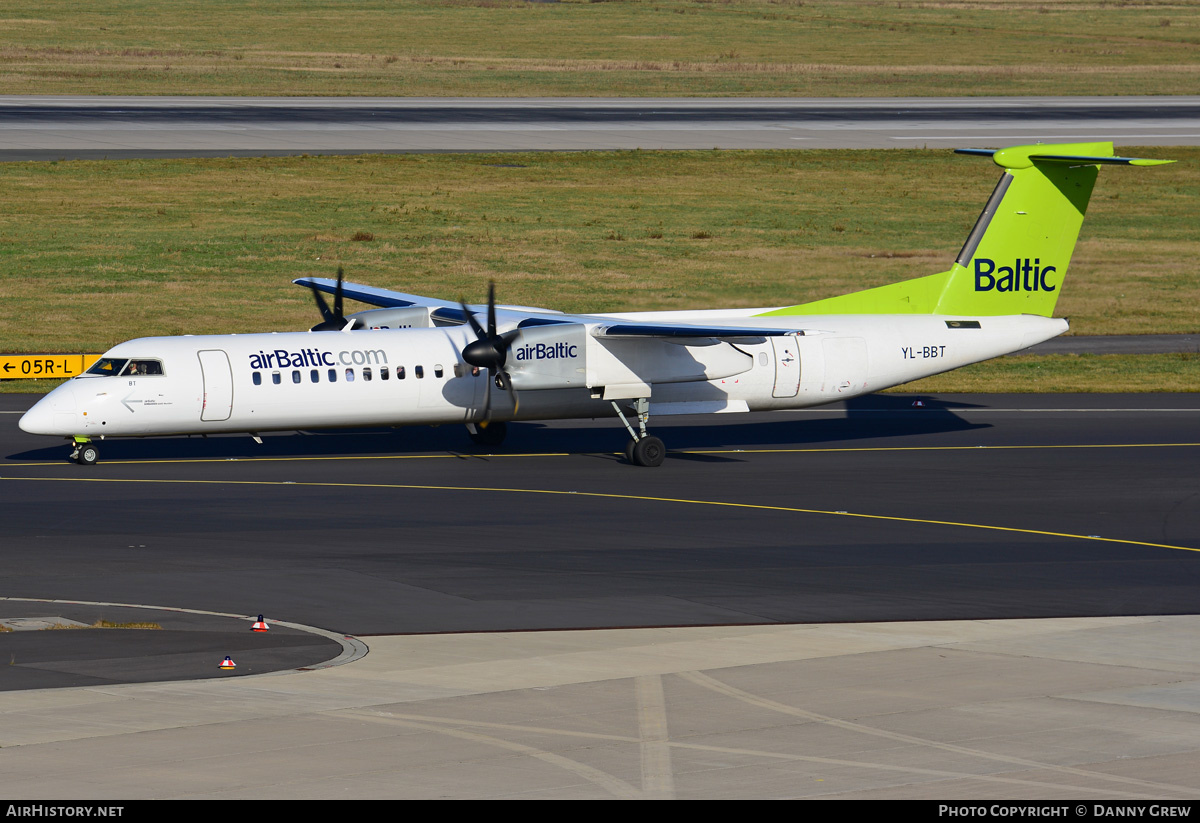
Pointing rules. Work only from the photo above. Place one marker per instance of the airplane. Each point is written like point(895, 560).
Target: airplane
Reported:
point(415, 360)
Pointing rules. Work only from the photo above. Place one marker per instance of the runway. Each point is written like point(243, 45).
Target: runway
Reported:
point(51, 128)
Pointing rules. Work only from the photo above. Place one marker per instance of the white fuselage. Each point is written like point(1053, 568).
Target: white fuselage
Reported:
point(396, 377)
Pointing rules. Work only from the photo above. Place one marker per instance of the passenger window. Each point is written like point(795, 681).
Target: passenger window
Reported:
point(419, 371)
point(399, 372)
point(349, 375)
point(383, 372)
point(333, 375)
point(437, 370)
point(275, 378)
point(257, 376)
point(296, 376)
point(315, 376)
point(367, 373)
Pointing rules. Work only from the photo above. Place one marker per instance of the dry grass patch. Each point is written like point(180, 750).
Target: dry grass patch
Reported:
point(106, 624)
point(664, 47)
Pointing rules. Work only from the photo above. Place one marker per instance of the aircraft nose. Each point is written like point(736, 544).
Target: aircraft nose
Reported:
point(53, 414)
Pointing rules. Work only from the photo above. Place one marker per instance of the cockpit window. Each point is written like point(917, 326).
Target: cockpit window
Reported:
point(108, 366)
point(141, 368)
point(126, 367)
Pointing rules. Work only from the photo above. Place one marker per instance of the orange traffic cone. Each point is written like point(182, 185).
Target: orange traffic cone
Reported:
point(228, 663)
point(260, 625)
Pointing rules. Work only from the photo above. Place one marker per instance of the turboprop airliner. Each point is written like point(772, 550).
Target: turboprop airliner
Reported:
point(414, 360)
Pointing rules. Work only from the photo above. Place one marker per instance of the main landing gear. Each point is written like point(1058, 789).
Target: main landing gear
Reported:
point(642, 449)
point(85, 454)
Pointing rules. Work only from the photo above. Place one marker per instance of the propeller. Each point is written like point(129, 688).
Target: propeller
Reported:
point(489, 351)
point(333, 320)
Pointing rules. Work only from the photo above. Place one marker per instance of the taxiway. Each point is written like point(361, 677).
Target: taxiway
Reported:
point(549, 621)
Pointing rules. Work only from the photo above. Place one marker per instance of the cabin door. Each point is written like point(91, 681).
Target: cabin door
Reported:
point(787, 366)
point(218, 385)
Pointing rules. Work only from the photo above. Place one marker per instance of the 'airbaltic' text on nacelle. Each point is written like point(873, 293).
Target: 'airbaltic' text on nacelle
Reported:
point(546, 351)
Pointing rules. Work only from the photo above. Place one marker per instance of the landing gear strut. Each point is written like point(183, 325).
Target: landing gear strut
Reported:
point(642, 449)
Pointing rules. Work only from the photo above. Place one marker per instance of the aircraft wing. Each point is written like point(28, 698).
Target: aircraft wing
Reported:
point(374, 296)
point(524, 317)
point(445, 311)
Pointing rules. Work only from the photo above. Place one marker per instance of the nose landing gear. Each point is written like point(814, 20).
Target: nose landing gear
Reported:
point(85, 454)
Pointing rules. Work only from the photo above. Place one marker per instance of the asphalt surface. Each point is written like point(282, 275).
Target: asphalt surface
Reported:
point(968, 507)
point(50, 128)
point(77, 644)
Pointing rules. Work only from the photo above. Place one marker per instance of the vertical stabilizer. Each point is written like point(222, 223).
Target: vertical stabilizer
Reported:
point(1016, 256)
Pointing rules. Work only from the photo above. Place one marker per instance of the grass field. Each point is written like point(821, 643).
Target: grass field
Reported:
point(632, 48)
point(98, 252)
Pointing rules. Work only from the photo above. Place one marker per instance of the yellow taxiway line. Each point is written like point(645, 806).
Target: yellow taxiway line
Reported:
point(509, 455)
point(616, 496)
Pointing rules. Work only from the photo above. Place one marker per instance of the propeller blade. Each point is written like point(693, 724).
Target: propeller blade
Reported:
point(478, 329)
point(487, 402)
point(506, 382)
point(489, 350)
point(491, 309)
point(334, 320)
point(322, 306)
point(337, 295)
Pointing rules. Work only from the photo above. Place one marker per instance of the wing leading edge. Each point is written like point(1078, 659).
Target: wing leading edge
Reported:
point(448, 311)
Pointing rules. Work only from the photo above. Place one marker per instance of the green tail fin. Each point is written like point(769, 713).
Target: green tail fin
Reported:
point(1016, 256)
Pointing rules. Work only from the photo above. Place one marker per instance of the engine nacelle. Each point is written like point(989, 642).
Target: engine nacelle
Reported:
point(565, 355)
point(548, 357)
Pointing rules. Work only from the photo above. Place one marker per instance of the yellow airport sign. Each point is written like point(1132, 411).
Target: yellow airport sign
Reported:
point(30, 366)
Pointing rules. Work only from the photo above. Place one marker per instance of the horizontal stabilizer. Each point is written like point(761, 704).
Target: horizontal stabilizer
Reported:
point(1021, 157)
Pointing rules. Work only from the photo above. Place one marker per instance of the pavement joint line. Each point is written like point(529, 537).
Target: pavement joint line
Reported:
point(993, 777)
point(381, 715)
point(352, 647)
point(615, 496)
point(707, 681)
point(462, 455)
